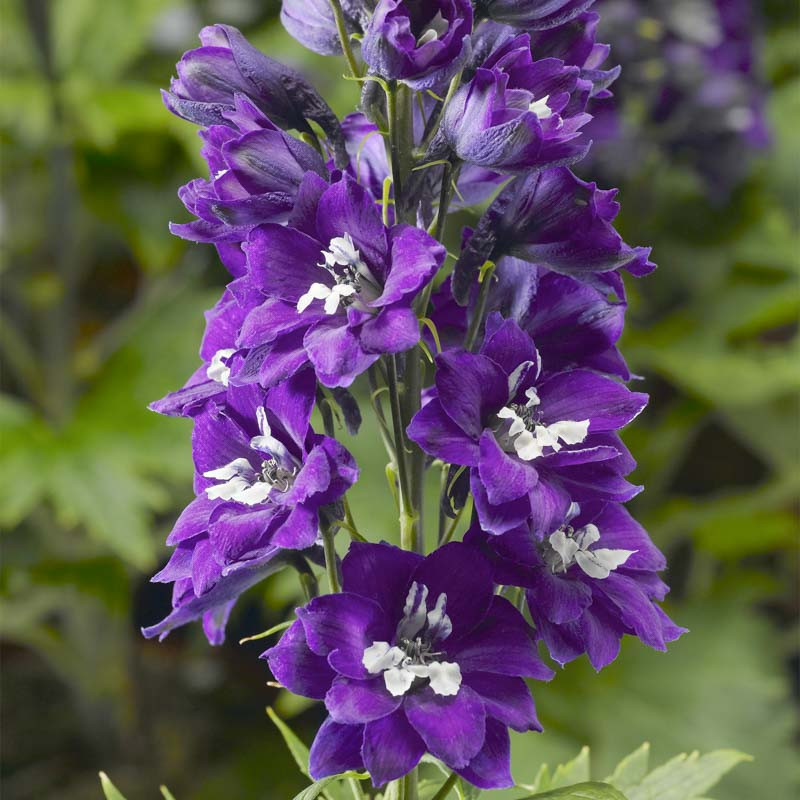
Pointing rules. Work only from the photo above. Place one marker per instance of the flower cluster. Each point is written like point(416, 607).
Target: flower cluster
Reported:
point(501, 368)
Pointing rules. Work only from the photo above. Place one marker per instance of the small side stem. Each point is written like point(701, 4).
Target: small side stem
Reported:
point(344, 38)
point(446, 787)
point(480, 310)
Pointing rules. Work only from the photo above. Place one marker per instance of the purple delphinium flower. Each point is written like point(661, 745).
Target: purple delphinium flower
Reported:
point(572, 324)
point(588, 582)
point(416, 654)
point(555, 220)
point(532, 14)
point(210, 78)
point(339, 285)
point(515, 114)
point(255, 176)
point(262, 479)
point(532, 443)
point(419, 43)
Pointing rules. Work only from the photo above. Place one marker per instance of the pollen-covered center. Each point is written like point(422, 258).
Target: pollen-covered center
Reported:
point(354, 283)
point(241, 481)
point(523, 432)
point(415, 656)
point(568, 546)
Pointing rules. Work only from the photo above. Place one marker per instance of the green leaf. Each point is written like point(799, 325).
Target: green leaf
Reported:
point(318, 787)
point(166, 793)
point(590, 790)
point(296, 747)
point(109, 790)
point(687, 777)
point(632, 769)
point(574, 771)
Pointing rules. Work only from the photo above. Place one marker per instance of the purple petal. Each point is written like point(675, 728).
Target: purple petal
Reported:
point(341, 627)
point(462, 573)
point(580, 394)
point(353, 702)
point(336, 354)
point(501, 517)
point(505, 477)
point(491, 767)
point(502, 643)
point(415, 258)
point(470, 388)
point(296, 667)
point(437, 434)
point(380, 572)
point(505, 698)
point(336, 749)
point(392, 748)
point(283, 262)
point(349, 208)
point(453, 728)
point(393, 330)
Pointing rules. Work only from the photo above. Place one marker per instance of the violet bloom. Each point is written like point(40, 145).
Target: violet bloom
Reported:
point(555, 220)
point(263, 478)
point(589, 582)
point(340, 287)
point(532, 443)
point(515, 114)
point(210, 77)
point(311, 22)
point(575, 43)
point(573, 325)
point(532, 14)
point(416, 654)
point(419, 43)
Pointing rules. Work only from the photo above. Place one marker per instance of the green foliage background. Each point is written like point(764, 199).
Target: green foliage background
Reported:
point(102, 312)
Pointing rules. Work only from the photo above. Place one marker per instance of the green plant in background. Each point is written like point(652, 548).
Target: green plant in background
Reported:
point(111, 317)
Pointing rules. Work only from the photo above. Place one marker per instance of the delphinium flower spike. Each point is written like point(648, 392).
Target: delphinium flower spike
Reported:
point(332, 233)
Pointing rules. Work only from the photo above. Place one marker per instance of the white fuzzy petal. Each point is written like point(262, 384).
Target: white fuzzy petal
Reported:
point(445, 677)
point(569, 431)
point(317, 291)
point(398, 680)
point(564, 546)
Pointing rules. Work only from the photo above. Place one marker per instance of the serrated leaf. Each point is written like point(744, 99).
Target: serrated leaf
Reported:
point(109, 790)
point(589, 790)
point(318, 787)
point(575, 771)
point(686, 777)
point(632, 769)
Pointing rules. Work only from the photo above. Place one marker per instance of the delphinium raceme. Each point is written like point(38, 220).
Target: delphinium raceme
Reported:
point(496, 368)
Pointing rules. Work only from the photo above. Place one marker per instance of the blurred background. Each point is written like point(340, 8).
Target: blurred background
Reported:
point(102, 313)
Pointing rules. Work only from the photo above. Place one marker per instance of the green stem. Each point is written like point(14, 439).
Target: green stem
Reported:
point(355, 788)
point(395, 157)
point(480, 310)
point(446, 787)
point(344, 38)
point(412, 788)
point(407, 520)
point(412, 398)
point(329, 547)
